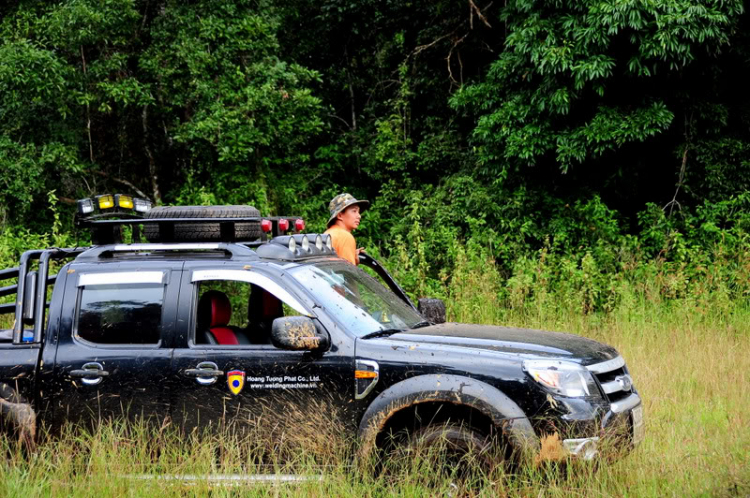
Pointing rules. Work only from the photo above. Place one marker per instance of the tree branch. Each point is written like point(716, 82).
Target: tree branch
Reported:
point(351, 89)
point(340, 119)
point(151, 161)
point(450, 55)
point(120, 180)
point(681, 178)
point(88, 110)
point(473, 8)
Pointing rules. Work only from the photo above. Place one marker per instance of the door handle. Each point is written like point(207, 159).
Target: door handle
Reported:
point(91, 373)
point(205, 373)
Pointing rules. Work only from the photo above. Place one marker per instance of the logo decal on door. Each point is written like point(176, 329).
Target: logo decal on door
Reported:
point(236, 381)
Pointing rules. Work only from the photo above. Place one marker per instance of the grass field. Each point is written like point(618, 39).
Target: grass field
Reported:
point(691, 369)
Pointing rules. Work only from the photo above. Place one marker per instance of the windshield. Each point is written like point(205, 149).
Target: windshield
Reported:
point(356, 299)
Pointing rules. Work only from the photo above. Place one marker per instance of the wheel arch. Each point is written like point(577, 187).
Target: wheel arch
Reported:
point(460, 395)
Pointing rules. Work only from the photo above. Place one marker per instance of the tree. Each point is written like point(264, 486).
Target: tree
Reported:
point(151, 97)
point(580, 79)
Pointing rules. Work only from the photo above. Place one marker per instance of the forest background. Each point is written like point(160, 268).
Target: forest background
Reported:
point(577, 147)
point(579, 165)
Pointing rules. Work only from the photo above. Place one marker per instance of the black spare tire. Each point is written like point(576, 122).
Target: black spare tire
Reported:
point(194, 232)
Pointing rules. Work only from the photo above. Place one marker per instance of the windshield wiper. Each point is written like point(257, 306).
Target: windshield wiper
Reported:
point(381, 333)
point(423, 323)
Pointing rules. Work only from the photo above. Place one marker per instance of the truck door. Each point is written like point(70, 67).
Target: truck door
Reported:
point(228, 372)
point(114, 343)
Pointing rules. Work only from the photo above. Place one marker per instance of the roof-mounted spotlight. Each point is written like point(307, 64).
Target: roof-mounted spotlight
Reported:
point(85, 206)
point(141, 205)
point(105, 201)
point(124, 201)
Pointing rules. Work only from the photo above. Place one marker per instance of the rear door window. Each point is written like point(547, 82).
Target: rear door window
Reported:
point(120, 308)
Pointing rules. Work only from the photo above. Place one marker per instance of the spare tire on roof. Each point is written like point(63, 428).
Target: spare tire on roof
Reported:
point(194, 232)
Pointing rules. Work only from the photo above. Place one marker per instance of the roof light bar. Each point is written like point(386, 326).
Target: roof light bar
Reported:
point(294, 247)
point(115, 203)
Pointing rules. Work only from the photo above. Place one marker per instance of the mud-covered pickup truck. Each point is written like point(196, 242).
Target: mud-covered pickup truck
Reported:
point(228, 316)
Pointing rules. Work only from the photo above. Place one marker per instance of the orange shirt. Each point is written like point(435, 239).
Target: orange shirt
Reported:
point(344, 244)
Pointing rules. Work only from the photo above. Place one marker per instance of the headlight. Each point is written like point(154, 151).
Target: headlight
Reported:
point(562, 377)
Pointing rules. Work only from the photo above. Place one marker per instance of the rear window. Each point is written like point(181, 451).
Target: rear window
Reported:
point(120, 313)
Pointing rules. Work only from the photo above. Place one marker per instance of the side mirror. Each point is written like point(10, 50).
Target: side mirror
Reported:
point(298, 333)
point(433, 310)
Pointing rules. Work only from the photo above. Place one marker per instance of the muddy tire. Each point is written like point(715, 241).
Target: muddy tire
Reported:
point(456, 452)
point(453, 438)
point(194, 232)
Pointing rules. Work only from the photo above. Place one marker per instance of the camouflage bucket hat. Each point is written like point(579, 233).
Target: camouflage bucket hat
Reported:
point(343, 201)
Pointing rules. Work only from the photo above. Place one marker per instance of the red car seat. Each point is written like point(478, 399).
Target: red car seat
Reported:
point(214, 313)
point(264, 307)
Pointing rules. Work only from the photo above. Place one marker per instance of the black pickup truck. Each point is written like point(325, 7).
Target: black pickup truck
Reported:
point(204, 330)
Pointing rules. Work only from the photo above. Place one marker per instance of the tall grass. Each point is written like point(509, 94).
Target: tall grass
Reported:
point(683, 329)
point(692, 371)
point(692, 375)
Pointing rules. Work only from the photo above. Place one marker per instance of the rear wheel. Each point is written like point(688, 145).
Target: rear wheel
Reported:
point(194, 232)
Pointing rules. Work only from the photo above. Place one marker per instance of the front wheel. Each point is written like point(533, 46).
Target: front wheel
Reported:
point(454, 452)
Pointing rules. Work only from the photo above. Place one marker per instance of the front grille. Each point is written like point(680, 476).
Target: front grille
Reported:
point(613, 378)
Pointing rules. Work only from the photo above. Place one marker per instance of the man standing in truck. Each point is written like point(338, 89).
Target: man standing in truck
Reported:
point(346, 213)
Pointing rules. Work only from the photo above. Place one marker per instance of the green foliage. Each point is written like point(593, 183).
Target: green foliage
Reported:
point(160, 96)
point(27, 170)
point(15, 240)
point(33, 85)
point(218, 59)
point(573, 61)
point(583, 154)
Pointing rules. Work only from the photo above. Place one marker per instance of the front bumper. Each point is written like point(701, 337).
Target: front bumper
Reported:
point(630, 411)
point(623, 423)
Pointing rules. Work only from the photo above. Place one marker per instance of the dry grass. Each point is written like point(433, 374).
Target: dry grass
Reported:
point(690, 360)
point(692, 374)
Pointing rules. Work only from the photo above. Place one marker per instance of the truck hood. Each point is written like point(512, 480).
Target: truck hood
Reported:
point(523, 342)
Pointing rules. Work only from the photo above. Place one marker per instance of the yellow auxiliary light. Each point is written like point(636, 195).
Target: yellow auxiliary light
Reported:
point(124, 201)
point(105, 201)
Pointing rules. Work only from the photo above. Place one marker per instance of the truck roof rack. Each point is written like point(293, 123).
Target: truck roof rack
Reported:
point(106, 231)
point(236, 251)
